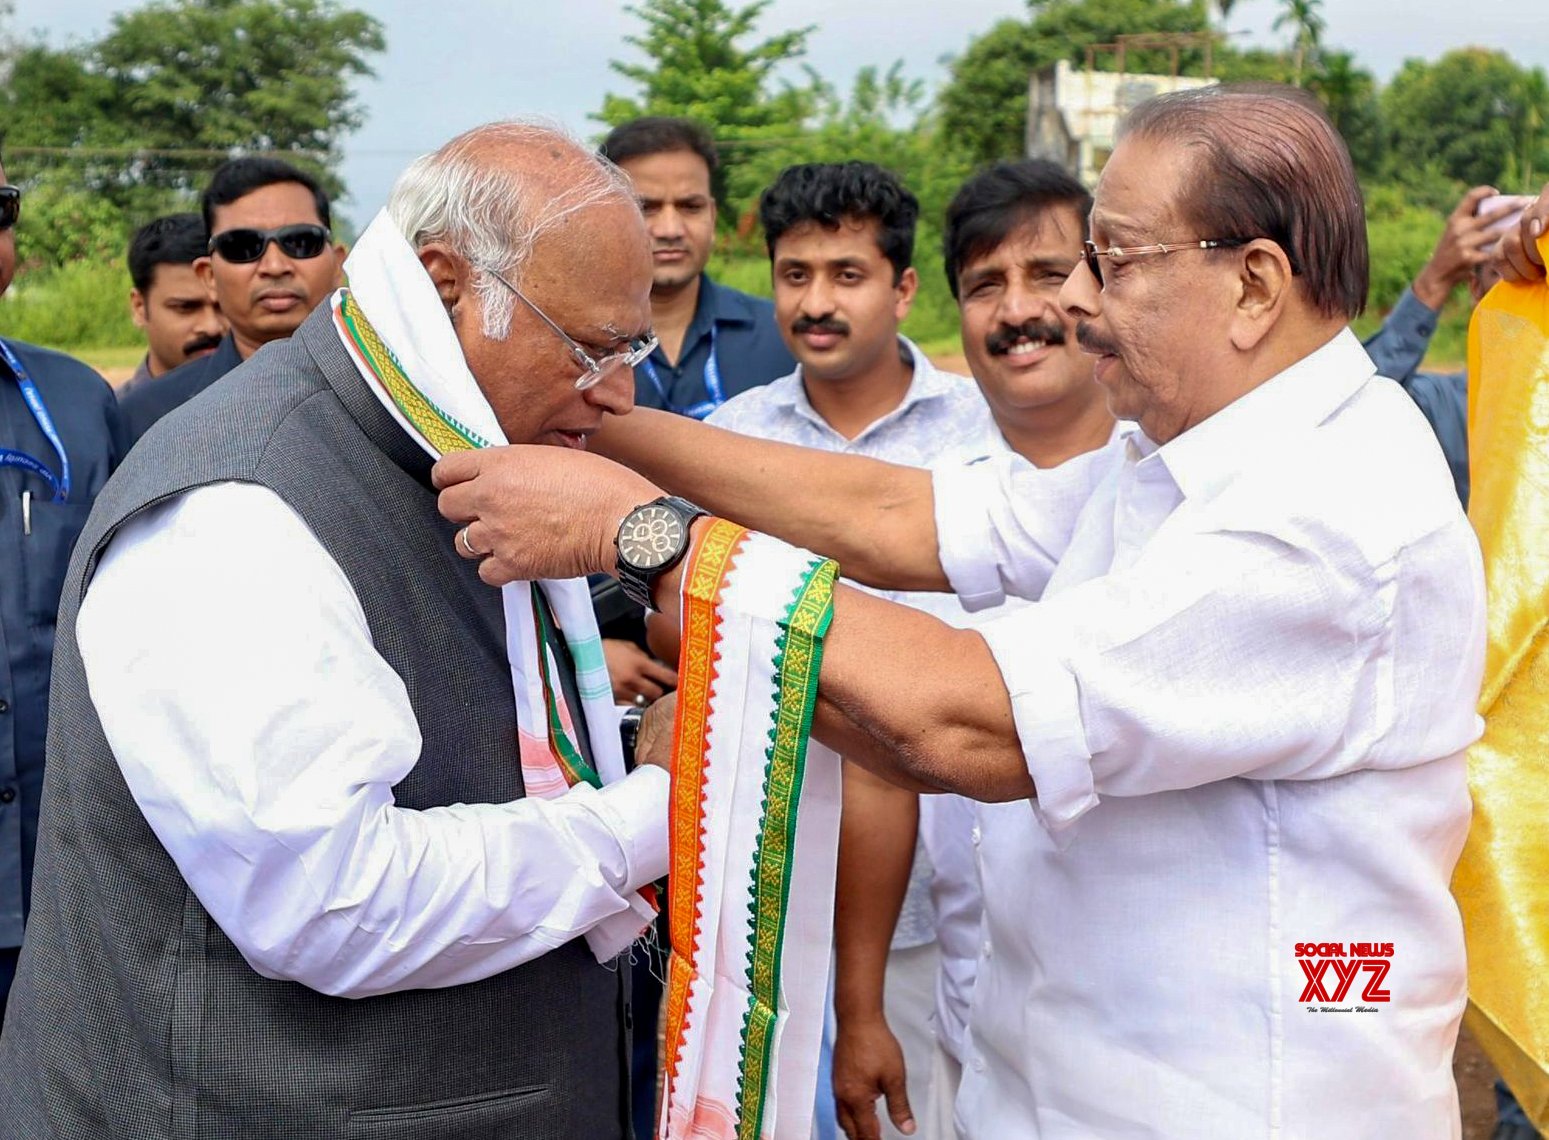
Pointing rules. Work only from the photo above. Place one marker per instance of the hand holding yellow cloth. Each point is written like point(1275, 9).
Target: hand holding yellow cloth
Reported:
point(1502, 880)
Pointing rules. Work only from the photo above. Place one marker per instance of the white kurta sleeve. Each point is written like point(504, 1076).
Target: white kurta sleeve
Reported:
point(261, 734)
point(1234, 654)
point(1002, 525)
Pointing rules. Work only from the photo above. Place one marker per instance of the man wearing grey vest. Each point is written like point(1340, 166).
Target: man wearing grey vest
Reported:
point(291, 881)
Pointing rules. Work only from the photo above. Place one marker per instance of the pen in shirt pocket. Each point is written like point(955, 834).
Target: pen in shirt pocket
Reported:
point(26, 512)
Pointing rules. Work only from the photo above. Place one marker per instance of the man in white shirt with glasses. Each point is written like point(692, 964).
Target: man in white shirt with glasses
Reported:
point(1236, 718)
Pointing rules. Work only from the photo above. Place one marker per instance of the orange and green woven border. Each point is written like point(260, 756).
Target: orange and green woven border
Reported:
point(798, 661)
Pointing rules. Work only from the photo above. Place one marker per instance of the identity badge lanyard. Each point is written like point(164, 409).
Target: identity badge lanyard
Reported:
point(698, 411)
point(12, 458)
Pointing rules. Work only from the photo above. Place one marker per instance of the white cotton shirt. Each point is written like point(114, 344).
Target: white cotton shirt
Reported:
point(261, 734)
point(942, 414)
point(1243, 700)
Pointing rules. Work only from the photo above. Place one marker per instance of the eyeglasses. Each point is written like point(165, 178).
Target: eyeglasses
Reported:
point(244, 246)
point(594, 369)
point(10, 207)
point(1090, 253)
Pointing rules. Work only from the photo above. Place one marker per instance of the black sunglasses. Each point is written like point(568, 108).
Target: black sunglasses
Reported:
point(240, 247)
point(10, 207)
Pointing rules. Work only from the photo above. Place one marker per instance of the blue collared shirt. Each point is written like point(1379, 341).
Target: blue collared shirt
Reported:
point(1397, 349)
point(748, 348)
point(35, 547)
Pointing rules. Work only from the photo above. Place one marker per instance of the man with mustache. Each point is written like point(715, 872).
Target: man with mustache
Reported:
point(177, 310)
point(1013, 235)
point(1231, 732)
point(841, 243)
point(269, 261)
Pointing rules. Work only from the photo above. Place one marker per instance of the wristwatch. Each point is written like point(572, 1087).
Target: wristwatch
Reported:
point(651, 540)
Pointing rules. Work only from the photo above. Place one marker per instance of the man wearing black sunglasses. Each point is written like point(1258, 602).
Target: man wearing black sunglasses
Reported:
point(270, 260)
point(60, 438)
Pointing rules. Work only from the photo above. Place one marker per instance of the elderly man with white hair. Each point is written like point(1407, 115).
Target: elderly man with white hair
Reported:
point(283, 771)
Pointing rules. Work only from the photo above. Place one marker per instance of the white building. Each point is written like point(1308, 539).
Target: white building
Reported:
point(1071, 114)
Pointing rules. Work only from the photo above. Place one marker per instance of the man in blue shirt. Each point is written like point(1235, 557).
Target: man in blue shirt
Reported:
point(1463, 253)
point(60, 438)
point(715, 341)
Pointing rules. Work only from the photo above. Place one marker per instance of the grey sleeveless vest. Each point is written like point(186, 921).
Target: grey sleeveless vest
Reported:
point(133, 1016)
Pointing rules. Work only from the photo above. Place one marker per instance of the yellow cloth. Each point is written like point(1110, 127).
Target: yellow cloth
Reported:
point(1502, 880)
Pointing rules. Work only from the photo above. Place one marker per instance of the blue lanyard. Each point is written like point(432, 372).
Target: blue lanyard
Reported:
point(712, 385)
point(34, 399)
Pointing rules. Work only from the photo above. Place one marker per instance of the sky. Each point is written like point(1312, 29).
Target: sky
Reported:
point(458, 63)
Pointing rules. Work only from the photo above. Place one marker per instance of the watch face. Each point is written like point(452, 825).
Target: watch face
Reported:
point(650, 536)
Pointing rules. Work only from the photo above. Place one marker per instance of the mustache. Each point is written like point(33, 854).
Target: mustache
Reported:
point(1093, 342)
point(278, 291)
point(820, 324)
point(1000, 341)
point(200, 343)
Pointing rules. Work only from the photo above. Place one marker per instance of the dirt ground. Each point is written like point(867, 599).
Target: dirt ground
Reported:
point(1476, 1079)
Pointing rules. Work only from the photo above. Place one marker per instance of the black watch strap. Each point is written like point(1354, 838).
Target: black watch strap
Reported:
point(637, 583)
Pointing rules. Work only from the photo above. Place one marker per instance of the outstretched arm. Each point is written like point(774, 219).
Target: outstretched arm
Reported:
point(877, 519)
point(902, 693)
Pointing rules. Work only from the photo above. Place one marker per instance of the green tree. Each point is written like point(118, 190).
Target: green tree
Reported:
point(984, 102)
point(1474, 116)
point(237, 75)
point(1305, 19)
point(699, 65)
point(1349, 93)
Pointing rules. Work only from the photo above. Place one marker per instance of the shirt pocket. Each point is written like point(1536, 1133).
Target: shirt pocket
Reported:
point(512, 1114)
point(54, 527)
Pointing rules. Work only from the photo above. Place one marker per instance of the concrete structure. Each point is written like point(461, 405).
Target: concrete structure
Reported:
point(1071, 115)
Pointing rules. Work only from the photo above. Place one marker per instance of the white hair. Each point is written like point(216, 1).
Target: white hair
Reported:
point(492, 214)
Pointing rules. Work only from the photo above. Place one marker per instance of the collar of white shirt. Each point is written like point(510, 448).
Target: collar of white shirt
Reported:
point(1293, 401)
point(929, 383)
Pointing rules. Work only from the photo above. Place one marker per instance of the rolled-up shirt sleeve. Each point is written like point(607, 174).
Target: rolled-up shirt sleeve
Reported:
point(1230, 654)
point(1002, 524)
point(261, 734)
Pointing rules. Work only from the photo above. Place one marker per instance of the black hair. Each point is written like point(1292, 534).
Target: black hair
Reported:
point(239, 177)
point(829, 192)
point(176, 239)
point(659, 134)
point(997, 200)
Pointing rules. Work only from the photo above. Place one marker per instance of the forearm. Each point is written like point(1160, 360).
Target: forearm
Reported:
point(876, 519)
point(906, 696)
point(876, 854)
point(928, 700)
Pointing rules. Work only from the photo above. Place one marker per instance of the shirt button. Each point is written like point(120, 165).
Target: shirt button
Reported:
point(5, 706)
point(7, 795)
point(978, 836)
point(978, 1064)
point(987, 949)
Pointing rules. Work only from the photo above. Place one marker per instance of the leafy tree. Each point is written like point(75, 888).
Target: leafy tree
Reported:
point(984, 103)
point(699, 66)
point(1305, 19)
point(1349, 93)
point(1472, 117)
point(238, 75)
